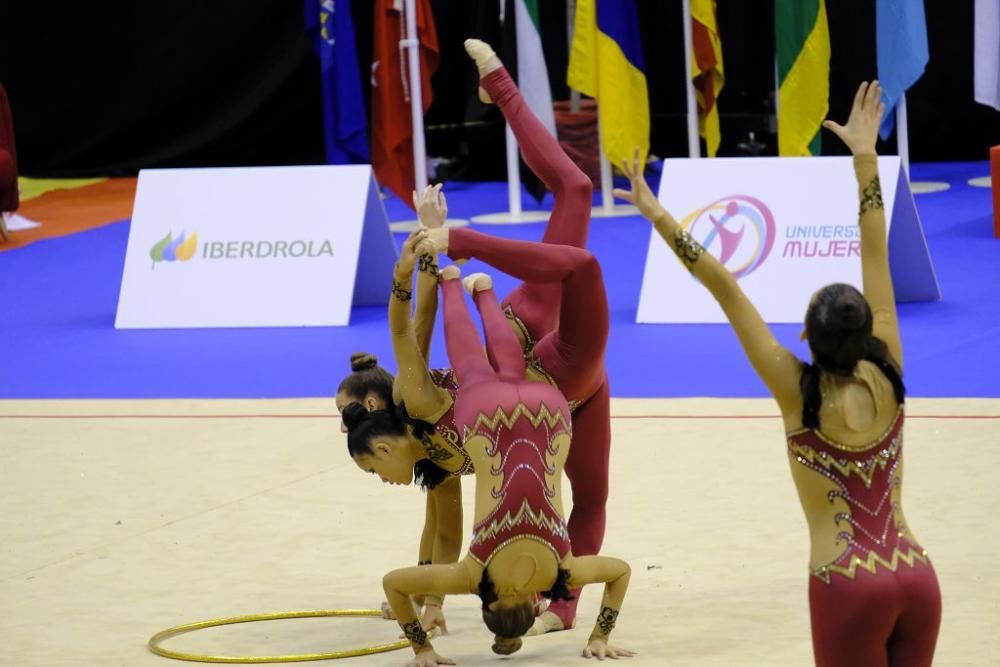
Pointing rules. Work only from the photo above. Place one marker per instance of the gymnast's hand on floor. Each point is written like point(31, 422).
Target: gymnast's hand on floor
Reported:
point(861, 131)
point(640, 195)
point(598, 648)
point(409, 253)
point(429, 658)
point(432, 207)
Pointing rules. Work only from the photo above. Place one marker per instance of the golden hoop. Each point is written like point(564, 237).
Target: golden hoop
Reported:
point(159, 637)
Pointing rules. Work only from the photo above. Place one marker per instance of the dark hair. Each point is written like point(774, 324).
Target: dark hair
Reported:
point(839, 331)
point(367, 377)
point(560, 589)
point(508, 624)
point(363, 425)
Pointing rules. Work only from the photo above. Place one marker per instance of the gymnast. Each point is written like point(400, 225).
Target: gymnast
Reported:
point(567, 351)
point(517, 433)
point(873, 594)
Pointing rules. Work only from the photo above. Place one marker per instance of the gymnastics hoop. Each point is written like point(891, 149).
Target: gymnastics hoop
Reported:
point(159, 637)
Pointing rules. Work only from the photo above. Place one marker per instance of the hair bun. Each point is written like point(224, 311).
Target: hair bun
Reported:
point(506, 645)
point(353, 414)
point(362, 361)
point(851, 315)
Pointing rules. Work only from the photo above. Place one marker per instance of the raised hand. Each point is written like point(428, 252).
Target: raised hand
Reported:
point(410, 251)
point(431, 206)
point(640, 194)
point(434, 241)
point(861, 131)
point(598, 648)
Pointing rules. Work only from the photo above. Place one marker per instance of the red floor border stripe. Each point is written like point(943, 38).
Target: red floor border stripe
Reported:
point(294, 416)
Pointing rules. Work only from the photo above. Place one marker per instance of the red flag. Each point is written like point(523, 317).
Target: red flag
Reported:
point(392, 129)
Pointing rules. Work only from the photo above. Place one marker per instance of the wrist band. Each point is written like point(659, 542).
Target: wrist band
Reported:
point(399, 292)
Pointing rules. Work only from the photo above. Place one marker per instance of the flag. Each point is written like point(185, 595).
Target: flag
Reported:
point(706, 71)
point(329, 26)
point(802, 48)
point(392, 127)
point(525, 61)
point(606, 63)
point(901, 46)
point(987, 58)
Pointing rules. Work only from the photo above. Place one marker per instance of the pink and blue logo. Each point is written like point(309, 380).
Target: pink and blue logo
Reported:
point(170, 249)
point(738, 229)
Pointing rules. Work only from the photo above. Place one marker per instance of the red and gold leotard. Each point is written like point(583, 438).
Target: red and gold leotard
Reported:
point(524, 442)
point(866, 476)
point(444, 444)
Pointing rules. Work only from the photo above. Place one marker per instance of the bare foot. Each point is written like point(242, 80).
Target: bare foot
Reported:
point(450, 272)
point(486, 62)
point(477, 282)
point(545, 622)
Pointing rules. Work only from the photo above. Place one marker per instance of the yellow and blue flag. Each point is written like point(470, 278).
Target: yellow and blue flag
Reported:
point(329, 26)
point(606, 63)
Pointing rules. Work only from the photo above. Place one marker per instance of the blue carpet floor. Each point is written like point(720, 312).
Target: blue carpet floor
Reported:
point(60, 296)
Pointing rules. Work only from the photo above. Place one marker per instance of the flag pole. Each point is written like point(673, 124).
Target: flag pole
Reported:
point(515, 209)
point(903, 148)
point(694, 149)
point(411, 43)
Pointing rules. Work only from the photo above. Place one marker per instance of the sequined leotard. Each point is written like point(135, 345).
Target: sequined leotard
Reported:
point(882, 584)
point(521, 425)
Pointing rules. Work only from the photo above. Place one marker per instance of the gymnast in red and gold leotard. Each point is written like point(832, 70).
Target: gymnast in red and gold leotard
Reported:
point(560, 318)
point(873, 595)
point(518, 434)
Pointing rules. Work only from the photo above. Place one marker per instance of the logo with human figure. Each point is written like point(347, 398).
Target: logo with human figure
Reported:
point(738, 229)
point(170, 249)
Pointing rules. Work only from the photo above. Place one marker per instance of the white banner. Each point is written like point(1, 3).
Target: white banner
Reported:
point(784, 227)
point(253, 247)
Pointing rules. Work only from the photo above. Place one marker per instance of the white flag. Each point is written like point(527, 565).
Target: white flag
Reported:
point(987, 58)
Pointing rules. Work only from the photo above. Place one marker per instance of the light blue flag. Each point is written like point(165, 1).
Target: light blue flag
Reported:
point(901, 43)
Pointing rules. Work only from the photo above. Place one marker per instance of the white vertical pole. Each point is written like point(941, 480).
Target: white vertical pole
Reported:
point(694, 149)
point(411, 43)
point(513, 174)
point(607, 185)
point(902, 135)
point(574, 95)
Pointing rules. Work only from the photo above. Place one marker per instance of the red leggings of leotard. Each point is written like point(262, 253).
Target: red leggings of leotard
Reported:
point(538, 306)
point(573, 354)
point(886, 619)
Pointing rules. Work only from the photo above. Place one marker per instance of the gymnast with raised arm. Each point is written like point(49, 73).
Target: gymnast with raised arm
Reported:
point(873, 595)
point(517, 433)
point(563, 345)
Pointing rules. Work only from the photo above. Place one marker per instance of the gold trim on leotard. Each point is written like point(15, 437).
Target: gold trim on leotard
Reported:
point(846, 447)
point(869, 564)
point(500, 416)
point(507, 522)
point(530, 358)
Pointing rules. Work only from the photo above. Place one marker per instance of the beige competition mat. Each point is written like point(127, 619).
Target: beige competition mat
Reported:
point(121, 518)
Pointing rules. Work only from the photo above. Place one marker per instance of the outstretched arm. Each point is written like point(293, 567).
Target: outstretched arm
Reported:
point(614, 573)
point(424, 400)
point(400, 585)
point(432, 209)
point(776, 365)
point(860, 134)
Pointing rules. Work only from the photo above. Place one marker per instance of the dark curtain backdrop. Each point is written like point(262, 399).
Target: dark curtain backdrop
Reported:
point(107, 88)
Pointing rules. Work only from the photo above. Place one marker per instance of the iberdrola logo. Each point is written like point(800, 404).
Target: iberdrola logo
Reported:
point(169, 249)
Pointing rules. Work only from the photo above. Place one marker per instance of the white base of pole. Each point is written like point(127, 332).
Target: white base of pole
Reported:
point(981, 182)
point(923, 187)
point(511, 217)
point(411, 225)
point(614, 211)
